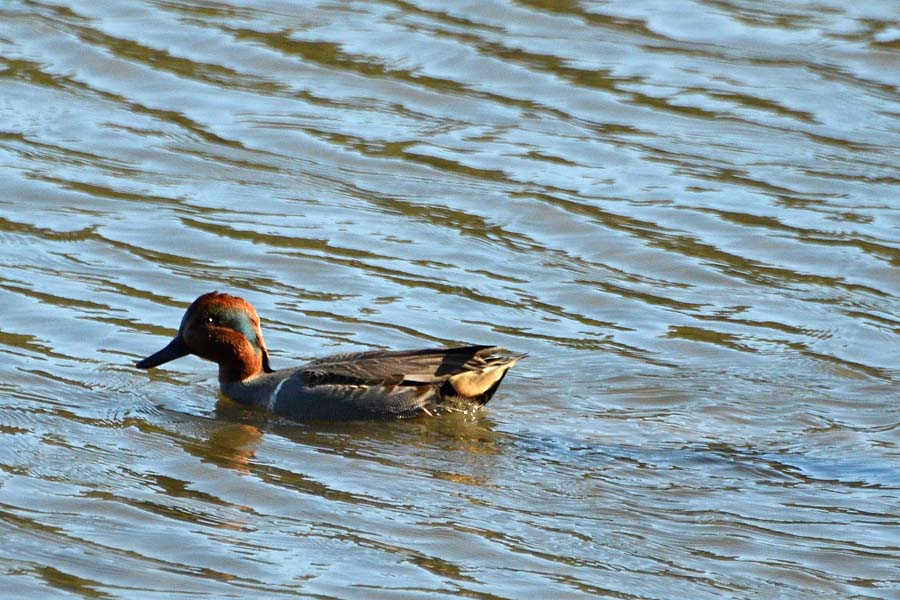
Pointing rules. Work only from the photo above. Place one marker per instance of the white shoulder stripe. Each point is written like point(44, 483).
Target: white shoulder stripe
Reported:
point(274, 397)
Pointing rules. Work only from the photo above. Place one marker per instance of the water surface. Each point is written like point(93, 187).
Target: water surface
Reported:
point(686, 213)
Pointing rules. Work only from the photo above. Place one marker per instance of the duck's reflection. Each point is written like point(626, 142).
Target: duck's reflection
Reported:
point(423, 443)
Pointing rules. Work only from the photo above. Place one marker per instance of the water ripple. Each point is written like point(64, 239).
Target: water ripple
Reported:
point(682, 212)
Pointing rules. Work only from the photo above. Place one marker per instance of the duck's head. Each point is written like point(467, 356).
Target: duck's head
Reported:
point(223, 329)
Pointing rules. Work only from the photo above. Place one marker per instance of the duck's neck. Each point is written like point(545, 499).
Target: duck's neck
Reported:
point(240, 363)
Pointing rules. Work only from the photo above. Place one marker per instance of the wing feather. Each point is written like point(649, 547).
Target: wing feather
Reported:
point(410, 367)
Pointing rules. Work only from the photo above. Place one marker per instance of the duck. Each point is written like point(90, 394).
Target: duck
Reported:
point(370, 385)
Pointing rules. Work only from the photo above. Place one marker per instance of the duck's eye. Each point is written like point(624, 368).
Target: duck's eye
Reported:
point(214, 319)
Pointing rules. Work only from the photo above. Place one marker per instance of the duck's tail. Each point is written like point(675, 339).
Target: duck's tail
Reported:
point(483, 375)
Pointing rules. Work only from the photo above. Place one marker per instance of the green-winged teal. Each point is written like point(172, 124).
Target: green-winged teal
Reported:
point(358, 385)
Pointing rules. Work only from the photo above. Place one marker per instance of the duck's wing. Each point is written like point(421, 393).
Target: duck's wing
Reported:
point(409, 367)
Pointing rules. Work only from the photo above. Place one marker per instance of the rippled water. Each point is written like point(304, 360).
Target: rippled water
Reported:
point(686, 212)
